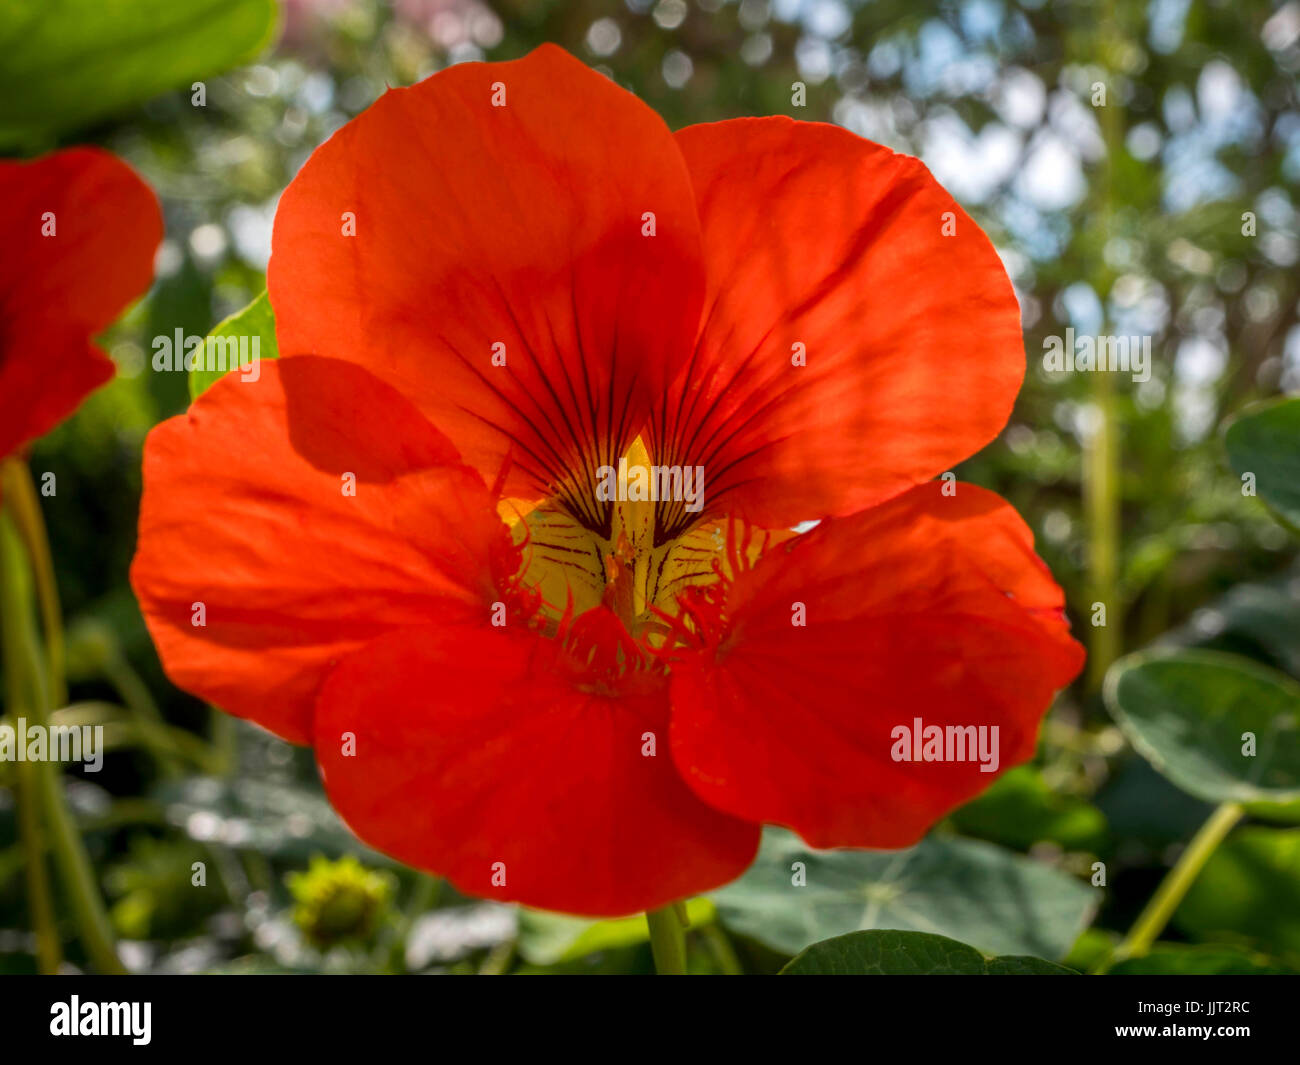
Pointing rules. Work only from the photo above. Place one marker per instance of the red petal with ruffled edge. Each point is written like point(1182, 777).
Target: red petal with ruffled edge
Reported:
point(475, 756)
point(819, 242)
point(928, 606)
point(522, 225)
point(244, 511)
point(60, 290)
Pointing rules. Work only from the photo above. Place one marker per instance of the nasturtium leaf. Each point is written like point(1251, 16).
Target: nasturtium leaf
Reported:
point(889, 953)
point(1189, 714)
point(1176, 959)
point(550, 938)
point(1249, 892)
point(975, 892)
point(1265, 442)
point(256, 322)
point(71, 63)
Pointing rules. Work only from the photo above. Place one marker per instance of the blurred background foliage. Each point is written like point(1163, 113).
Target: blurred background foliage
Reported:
point(1127, 218)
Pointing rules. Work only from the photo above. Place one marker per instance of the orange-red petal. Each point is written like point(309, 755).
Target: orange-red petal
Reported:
point(522, 225)
point(79, 230)
point(468, 753)
point(822, 246)
point(928, 606)
point(245, 512)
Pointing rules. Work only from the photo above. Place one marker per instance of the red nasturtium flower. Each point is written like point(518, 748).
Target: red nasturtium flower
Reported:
point(79, 231)
point(649, 701)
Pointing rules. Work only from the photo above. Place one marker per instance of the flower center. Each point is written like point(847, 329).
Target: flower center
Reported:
point(627, 571)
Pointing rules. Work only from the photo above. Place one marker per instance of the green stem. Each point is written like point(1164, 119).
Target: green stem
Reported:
point(31, 833)
point(424, 897)
point(224, 741)
point(499, 959)
point(667, 941)
point(723, 950)
point(1151, 922)
point(40, 898)
point(1101, 488)
point(19, 493)
point(1101, 504)
point(25, 663)
point(163, 742)
point(149, 720)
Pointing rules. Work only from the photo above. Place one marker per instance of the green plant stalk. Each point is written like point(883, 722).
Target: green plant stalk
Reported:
point(19, 493)
point(1101, 505)
point(31, 834)
point(667, 941)
point(122, 729)
point(391, 955)
point(29, 671)
point(224, 742)
point(123, 813)
point(723, 950)
point(148, 718)
point(40, 899)
point(1101, 456)
point(1151, 922)
point(499, 959)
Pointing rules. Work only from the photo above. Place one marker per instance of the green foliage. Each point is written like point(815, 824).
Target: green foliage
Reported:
point(274, 819)
point(1265, 443)
point(553, 938)
point(1249, 894)
point(1258, 619)
point(156, 897)
point(257, 320)
point(1220, 727)
point(887, 953)
point(1175, 960)
point(71, 63)
point(971, 891)
point(1020, 810)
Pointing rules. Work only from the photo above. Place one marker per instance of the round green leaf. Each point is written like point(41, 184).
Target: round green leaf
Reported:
point(1265, 442)
point(1191, 715)
point(793, 896)
point(889, 953)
